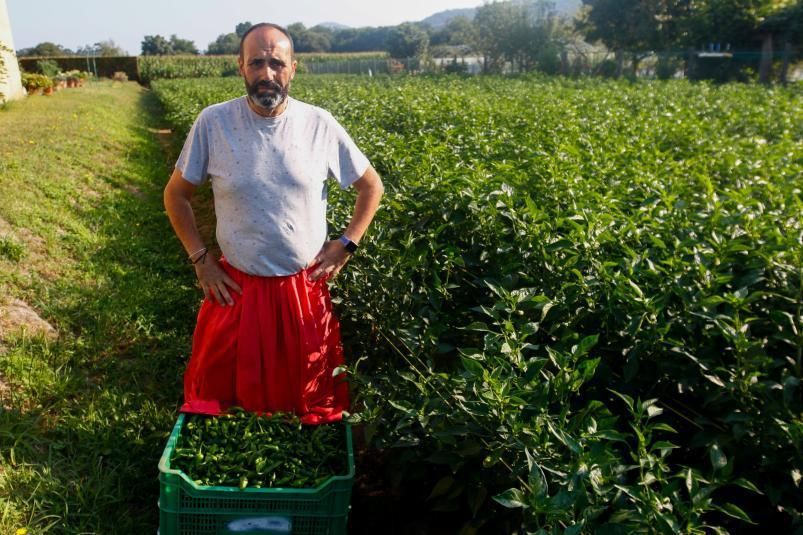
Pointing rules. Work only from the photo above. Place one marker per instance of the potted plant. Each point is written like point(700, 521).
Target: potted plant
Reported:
point(72, 78)
point(47, 85)
point(34, 83)
point(60, 81)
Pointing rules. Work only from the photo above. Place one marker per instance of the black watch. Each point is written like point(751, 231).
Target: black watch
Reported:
point(348, 244)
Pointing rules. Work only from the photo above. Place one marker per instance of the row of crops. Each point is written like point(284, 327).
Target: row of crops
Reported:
point(168, 67)
point(579, 308)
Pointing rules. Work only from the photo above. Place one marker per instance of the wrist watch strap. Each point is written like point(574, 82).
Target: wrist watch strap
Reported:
point(349, 245)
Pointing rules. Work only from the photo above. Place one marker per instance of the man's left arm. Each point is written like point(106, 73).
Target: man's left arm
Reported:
point(333, 255)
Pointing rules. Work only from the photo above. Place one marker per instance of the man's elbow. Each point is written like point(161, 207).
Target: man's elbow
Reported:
point(169, 196)
point(374, 183)
point(379, 187)
point(177, 190)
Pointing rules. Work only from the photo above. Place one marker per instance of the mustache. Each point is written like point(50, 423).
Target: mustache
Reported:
point(267, 84)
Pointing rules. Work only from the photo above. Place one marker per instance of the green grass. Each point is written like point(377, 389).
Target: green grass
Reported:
point(85, 242)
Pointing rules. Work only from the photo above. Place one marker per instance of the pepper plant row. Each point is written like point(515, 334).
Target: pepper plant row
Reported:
point(579, 309)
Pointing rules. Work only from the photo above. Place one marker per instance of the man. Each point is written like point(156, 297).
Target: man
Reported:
point(266, 338)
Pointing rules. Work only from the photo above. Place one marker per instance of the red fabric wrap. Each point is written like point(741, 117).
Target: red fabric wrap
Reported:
point(273, 350)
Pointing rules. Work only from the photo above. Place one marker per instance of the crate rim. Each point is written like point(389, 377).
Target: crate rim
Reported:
point(164, 468)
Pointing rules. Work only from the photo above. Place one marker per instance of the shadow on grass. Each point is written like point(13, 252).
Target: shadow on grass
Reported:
point(92, 433)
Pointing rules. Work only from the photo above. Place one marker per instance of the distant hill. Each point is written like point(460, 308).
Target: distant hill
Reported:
point(442, 18)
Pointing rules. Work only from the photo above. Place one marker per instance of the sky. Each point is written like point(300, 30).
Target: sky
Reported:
point(84, 22)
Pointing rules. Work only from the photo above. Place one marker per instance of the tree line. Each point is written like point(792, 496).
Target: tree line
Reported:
point(531, 35)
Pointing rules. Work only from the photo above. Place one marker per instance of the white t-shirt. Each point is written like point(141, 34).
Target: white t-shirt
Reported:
point(268, 180)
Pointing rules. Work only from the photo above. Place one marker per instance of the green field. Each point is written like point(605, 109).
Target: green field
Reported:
point(578, 311)
point(581, 299)
point(84, 417)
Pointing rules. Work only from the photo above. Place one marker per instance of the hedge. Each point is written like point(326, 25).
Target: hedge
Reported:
point(106, 66)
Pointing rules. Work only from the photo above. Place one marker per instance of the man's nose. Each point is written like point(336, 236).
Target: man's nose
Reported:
point(270, 73)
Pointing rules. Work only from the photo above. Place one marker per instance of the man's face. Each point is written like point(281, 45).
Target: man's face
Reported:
point(267, 67)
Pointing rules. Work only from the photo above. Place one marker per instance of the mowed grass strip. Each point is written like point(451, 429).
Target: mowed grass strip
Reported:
point(84, 242)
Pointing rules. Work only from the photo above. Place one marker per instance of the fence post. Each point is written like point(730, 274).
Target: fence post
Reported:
point(765, 67)
point(787, 51)
point(690, 65)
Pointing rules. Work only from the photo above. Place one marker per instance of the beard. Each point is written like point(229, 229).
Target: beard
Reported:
point(271, 98)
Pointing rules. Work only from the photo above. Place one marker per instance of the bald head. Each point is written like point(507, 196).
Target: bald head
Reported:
point(281, 36)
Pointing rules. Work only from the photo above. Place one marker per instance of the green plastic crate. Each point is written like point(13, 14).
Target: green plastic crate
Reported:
point(189, 509)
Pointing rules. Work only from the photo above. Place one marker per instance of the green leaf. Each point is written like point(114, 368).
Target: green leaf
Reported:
point(559, 244)
point(663, 427)
point(588, 368)
point(585, 345)
point(476, 498)
point(714, 379)
point(528, 329)
point(478, 326)
point(545, 309)
point(537, 481)
point(611, 434)
point(472, 366)
point(712, 300)
point(627, 399)
point(511, 498)
point(735, 512)
point(441, 487)
point(718, 458)
point(572, 443)
point(663, 444)
point(745, 484)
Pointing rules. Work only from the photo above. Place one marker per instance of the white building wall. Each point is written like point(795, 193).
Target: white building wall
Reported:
point(10, 86)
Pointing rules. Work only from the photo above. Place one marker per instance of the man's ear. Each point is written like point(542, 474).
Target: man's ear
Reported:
point(240, 66)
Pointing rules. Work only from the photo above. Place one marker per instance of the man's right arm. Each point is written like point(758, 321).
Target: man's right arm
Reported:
point(177, 199)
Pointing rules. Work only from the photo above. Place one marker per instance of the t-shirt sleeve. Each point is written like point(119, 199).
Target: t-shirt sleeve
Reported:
point(346, 161)
point(193, 161)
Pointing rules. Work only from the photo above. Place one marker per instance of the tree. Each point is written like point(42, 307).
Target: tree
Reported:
point(156, 45)
point(227, 43)
point(106, 48)
point(787, 25)
point(458, 32)
point(728, 21)
point(494, 23)
point(241, 28)
point(461, 31)
point(526, 33)
point(407, 40)
point(182, 46)
point(45, 49)
point(315, 39)
point(636, 26)
point(360, 39)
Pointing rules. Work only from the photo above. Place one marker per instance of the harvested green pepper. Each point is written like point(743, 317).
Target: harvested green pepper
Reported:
point(244, 450)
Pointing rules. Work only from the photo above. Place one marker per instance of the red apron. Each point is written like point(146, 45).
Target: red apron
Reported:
point(273, 350)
